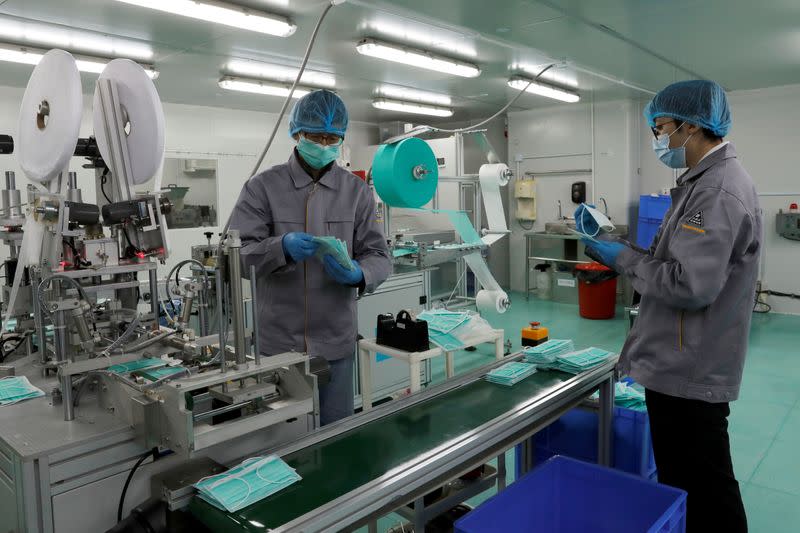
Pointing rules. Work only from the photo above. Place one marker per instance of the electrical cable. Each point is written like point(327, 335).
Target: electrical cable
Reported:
point(150, 453)
point(425, 127)
point(523, 226)
point(103, 185)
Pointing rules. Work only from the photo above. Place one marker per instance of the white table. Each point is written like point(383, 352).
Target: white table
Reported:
point(367, 348)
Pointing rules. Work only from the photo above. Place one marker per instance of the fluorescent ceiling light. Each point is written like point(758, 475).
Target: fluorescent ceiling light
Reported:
point(280, 73)
point(222, 13)
point(50, 35)
point(401, 93)
point(32, 56)
point(422, 35)
point(260, 87)
point(557, 75)
point(416, 58)
point(411, 107)
point(544, 90)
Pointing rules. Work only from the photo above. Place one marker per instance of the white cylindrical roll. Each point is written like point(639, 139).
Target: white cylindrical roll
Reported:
point(141, 105)
point(49, 117)
point(492, 301)
point(492, 177)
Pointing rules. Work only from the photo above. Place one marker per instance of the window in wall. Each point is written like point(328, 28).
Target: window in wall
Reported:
point(191, 186)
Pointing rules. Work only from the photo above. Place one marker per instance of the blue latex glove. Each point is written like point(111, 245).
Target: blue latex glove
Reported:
point(605, 252)
point(298, 246)
point(340, 274)
point(584, 222)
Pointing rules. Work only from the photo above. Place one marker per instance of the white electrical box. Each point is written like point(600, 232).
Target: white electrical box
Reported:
point(525, 194)
point(201, 165)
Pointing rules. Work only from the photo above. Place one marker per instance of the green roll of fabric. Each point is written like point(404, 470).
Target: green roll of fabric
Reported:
point(405, 173)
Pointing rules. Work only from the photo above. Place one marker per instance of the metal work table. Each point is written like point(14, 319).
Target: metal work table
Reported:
point(364, 467)
point(529, 257)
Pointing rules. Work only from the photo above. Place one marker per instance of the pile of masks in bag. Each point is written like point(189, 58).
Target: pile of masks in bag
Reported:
point(448, 329)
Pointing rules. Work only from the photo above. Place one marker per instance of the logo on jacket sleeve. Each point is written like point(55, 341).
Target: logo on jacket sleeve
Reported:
point(696, 220)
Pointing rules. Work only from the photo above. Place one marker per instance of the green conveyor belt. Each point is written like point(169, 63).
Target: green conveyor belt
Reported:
point(343, 463)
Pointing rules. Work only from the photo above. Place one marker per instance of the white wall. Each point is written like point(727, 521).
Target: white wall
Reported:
point(765, 126)
point(603, 136)
point(232, 137)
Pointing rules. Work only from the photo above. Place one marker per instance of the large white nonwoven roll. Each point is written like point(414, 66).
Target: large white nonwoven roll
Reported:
point(495, 301)
point(140, 103)
point(492, 177)
point(49, 117)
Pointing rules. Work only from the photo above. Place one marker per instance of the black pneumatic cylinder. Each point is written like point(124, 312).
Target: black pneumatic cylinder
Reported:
point(83, 214)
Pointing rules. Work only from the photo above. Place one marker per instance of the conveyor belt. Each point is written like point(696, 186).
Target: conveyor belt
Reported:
point(378, 448)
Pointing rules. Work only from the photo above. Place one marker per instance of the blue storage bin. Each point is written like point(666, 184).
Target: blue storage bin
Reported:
point(654, 207)
point(646, 231)
point(575, 435)
point(565, 496)
point(652, 210)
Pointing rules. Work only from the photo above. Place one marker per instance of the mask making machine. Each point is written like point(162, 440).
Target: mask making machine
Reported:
point(116, 382)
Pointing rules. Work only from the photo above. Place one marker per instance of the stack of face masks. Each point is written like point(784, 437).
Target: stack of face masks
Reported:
point(582, 360)
point(252, 481)
point(164, 372)
point(511, 373)
point(334, 247)
point(139, 364)
point(14, 389)
point(442, 320)
point(630, 396)
point(547, 352)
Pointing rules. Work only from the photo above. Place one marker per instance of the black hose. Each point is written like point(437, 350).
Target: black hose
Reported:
point(150, 453)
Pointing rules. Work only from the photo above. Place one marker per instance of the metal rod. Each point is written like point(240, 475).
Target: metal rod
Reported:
point(153, 276)
point(223, 364)
point(66, 396)
point(237, 303)
point(254, 304)
point(221, 410)
point(11, 181)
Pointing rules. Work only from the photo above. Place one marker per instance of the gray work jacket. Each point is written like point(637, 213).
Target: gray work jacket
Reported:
point(697, 283)
point(299, 306)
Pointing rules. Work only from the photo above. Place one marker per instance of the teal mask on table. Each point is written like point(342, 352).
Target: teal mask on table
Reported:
point(253, 480)
point(14, 389)
point(442, 320)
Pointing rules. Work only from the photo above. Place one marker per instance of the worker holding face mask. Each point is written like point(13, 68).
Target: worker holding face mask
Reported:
point(304, 303)
point(697, 284)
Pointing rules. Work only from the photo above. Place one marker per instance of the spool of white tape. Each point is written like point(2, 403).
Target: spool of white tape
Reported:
point(49, 117)
point(143, 116)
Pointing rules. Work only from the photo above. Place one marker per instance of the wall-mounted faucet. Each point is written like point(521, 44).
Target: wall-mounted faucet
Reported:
point(560, 214)
point(605, 206)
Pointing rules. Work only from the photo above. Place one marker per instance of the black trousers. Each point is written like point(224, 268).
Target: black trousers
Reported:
point(693, 453)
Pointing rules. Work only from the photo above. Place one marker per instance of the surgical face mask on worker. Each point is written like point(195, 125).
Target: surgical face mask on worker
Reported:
point(672, 157)
point(317, 155)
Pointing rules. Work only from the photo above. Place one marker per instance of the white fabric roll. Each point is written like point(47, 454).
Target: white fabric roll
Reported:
point(491, 301)
point(492, 177)
point(50, 117)
point(139, 100)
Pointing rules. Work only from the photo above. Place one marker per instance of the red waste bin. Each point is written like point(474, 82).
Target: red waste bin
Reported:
point(597, 291)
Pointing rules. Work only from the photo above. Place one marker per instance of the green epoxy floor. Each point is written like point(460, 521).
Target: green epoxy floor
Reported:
point(764, 422)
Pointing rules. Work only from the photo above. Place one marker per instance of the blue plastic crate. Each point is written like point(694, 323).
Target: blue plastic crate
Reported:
point(646, 231)
point(575, 435)
point(654, 207)
point(568, 496)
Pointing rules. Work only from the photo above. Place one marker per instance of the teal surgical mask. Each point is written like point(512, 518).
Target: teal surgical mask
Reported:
point(672, 157)
point(253, 480)
point(317, 155)
point(14, 389)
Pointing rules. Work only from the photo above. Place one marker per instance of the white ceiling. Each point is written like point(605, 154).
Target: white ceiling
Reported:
point(648, 43)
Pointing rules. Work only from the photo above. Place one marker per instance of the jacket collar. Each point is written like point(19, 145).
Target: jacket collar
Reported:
point(726, 152)
point(301, 178)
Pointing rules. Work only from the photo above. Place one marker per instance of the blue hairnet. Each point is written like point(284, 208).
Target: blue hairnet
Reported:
point(319, 112)
point(698, 102)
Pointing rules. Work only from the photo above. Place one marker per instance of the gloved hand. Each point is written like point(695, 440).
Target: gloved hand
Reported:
point(605, 252)
point(584, 222)
point(340, 274)
point(298, 246)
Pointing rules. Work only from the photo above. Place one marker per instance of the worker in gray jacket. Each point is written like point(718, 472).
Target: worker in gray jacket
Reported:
point(304, 303)
point(697, 283)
